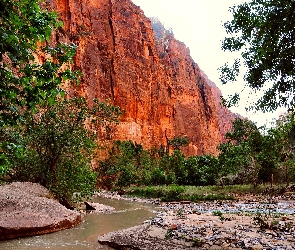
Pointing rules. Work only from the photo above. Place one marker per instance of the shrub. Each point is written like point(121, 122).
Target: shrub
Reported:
point(173, 193)
point(54, 147)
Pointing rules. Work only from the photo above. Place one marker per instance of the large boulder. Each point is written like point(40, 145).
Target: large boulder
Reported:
point(27, 209)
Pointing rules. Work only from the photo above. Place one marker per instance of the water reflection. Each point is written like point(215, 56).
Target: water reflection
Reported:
point(84, 236)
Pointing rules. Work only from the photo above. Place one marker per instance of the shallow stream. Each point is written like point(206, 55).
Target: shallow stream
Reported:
point(84, 236)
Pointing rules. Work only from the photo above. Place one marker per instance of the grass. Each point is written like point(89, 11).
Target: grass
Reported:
point(193, 193)
point(176, 193)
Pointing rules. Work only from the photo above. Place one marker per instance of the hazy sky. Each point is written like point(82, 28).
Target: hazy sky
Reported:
point(199, 24)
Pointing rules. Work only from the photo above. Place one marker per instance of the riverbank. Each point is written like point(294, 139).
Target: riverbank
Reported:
point(177, 225)
point(28, 209)
point(252, 222)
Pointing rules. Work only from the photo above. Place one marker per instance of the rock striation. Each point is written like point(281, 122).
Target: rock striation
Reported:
point(26, 209)
point(135, 63)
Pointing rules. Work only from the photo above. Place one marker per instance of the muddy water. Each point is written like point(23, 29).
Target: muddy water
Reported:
point(84, 236)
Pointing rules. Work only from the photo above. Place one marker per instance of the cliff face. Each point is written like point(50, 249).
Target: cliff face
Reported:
point(149, 75)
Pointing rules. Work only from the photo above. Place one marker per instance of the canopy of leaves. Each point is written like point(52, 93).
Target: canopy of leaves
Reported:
point(44, 137)
point(177, 142)
point(264, 32)
point(24, 81)
point(53, 147)
point(259, 157)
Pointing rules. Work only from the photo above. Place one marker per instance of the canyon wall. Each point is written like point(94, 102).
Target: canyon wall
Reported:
point(150, 75)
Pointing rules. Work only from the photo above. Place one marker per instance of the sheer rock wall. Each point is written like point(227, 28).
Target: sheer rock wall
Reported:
point(149, 75)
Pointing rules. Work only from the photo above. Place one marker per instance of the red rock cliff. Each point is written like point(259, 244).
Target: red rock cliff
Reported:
point(149, 75)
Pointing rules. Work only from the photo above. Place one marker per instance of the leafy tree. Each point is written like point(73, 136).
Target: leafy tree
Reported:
point(177, 142)
point(25, 81)
point(55, 148)
point(31, 71)
point(128, 163)
point(263, 31)
point(43, 137)
point(284, 142)
point(240, 153)
point(202, 170)
point(208, 170)
point(177, 165)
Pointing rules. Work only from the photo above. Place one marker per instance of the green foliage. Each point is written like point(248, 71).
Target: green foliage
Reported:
point(53, 147)
point(31, 71)
point(25, 82)
point(177, 193)
point(240, 155)
point(43, 138)
point(284, 143)
point(158, 177)
point(174, 164)
point(166, 193)
point(143, 167)
point(125, 165)
point(219, 214)
point(253, 155)
point(197, 242)
point(263, 31)
point(173, 193)
point(208, 170)
point(177, 142)
point(169, 234)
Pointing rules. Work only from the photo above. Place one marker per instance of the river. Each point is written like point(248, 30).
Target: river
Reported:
point(84, 236)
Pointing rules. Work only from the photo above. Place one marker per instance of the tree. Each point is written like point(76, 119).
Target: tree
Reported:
point(240, 153)
point(178, 142)
point(55, 148)
point(284, 137)
point(263, 31)
point(29, 72)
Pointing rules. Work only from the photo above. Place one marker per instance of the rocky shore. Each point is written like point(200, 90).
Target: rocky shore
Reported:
point(253, 222)
point(28, 209)
point(249, 222)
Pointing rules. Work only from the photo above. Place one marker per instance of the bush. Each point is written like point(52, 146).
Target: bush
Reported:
point(173, 193)
point(55, 149)
point(126, 176)
point(158, 177)
point(155, 167)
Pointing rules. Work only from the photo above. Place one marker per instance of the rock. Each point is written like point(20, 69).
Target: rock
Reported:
point(257, 247)
point(173, 227)
point(88, 206)
point(98, 208)
point(185, 202)
point(67, 204)
point(135, 64)
point(143, 237)
point(205, 229)
point(27, 209)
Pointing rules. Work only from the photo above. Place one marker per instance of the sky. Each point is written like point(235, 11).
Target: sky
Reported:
point(199, 24)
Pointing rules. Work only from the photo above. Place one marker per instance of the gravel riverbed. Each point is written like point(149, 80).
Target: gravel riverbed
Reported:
point(212, 225)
